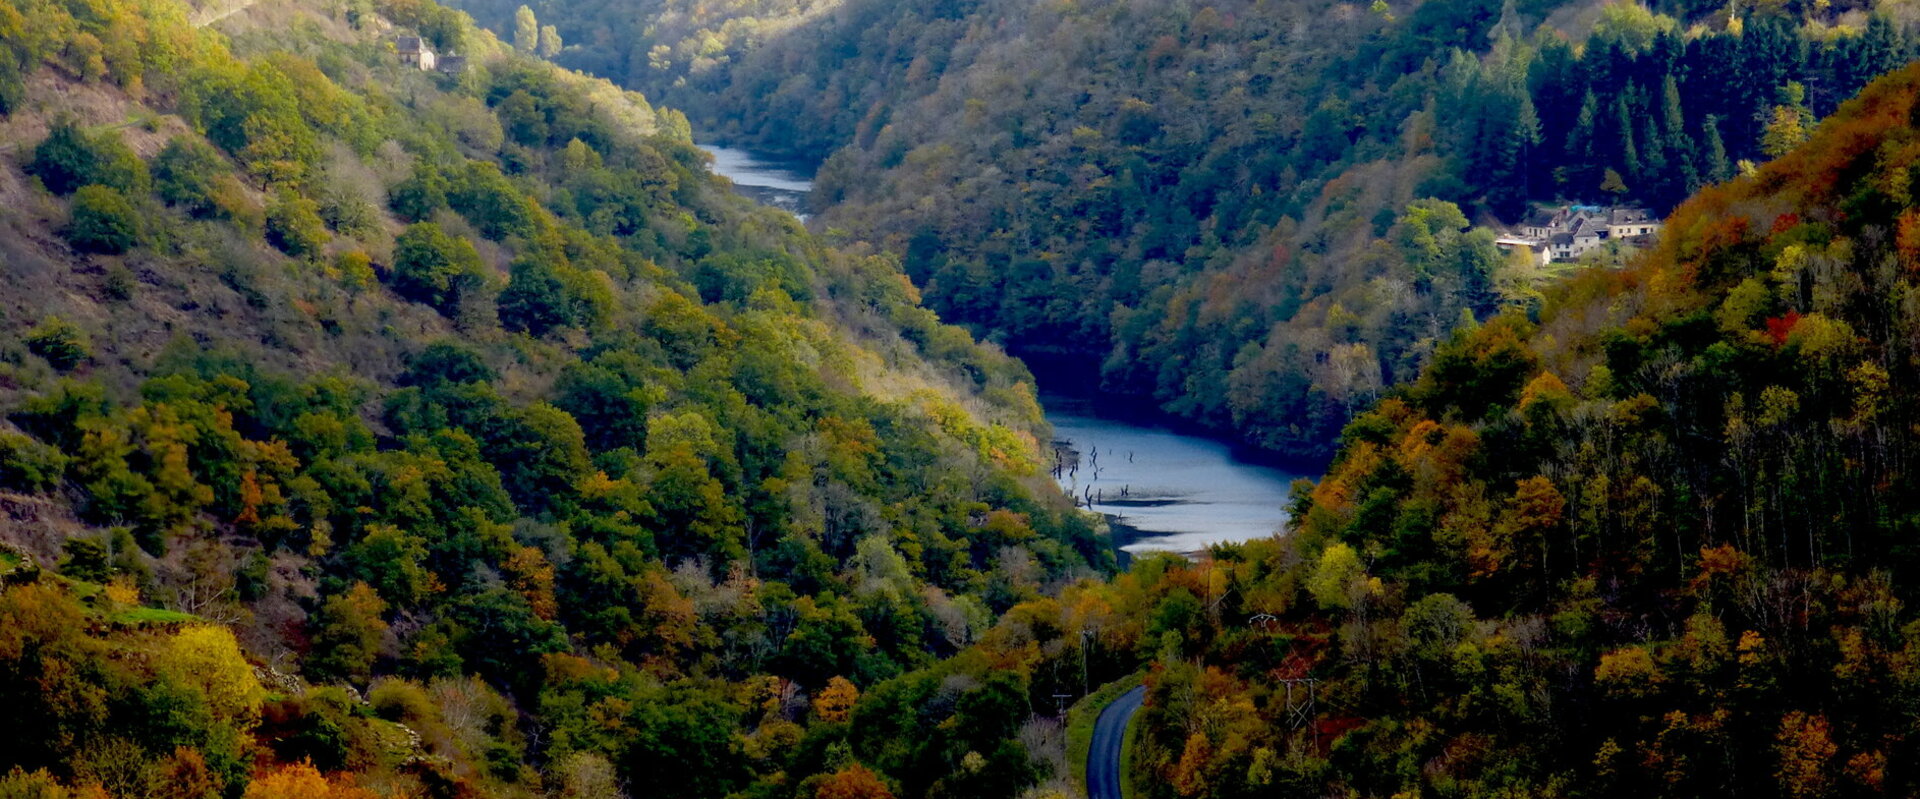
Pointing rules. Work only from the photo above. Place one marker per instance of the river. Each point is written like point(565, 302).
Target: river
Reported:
point(770, 181)
point(1160, 489)
point(1163, 490)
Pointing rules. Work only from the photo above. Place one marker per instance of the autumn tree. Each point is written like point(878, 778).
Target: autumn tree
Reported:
point(1805, 749)
point(1789, 123)
point(208, 658)
point(1331, 583)
point(853, 782)
point(184, 775)
point(835, 702)
point(302, 781)
point(348, 633)
point(61, 342)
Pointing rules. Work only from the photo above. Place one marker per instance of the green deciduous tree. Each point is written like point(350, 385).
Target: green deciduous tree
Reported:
point(185, 174)
point(535, 301)
point(433, 268)
point(61, 342)
point(294, 224)
point(348, 632)
point(70, 158)
point(416, 198)
point(102, 221)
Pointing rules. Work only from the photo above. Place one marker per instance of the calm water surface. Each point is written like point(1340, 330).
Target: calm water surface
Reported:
point(771, 181)
point(1162, 490)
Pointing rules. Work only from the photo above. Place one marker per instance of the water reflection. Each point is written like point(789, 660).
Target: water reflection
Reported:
point(769, 181)
point(1164, 490)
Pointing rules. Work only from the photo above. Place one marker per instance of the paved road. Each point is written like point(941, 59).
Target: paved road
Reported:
point(1109, 731)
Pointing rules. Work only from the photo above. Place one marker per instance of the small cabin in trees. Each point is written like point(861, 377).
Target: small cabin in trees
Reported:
point(414, 50)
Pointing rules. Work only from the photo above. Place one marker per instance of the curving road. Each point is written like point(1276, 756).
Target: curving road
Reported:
point(1109, 732)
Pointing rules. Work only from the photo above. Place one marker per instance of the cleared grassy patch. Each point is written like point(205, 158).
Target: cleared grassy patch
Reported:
point(1080, 719)
point(153, 616)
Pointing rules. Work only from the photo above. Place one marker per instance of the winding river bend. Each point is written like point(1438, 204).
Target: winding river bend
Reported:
point(1161, 490)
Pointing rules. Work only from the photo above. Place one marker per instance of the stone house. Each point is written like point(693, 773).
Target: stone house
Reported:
point(414, 50)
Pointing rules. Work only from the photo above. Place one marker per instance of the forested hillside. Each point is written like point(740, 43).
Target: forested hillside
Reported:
point(1650, 541)
point(375, 431)
point(1653, 543)
point(1201, 200)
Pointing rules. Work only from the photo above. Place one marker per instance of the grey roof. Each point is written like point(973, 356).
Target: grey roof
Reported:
point(410, 44)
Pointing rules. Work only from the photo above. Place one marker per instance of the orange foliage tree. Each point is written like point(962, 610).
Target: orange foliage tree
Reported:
point(853, 782)
point(303, 781)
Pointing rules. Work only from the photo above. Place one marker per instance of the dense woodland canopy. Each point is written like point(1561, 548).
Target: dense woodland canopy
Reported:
point(1198, 201)
point(375, 432)
point(1652, 542)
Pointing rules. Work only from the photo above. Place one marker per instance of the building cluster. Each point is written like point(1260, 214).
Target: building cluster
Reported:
point(415, 50)
point(1567, 232)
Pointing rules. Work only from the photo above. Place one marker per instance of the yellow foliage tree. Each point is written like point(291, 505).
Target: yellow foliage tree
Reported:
point(1629, 671)
point(41, 785)
point(1805, 749)
point(1338, 567)
point(835, 702)
point(208, 658)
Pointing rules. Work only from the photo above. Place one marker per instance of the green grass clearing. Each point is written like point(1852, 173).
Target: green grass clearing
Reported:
point(153, 616)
